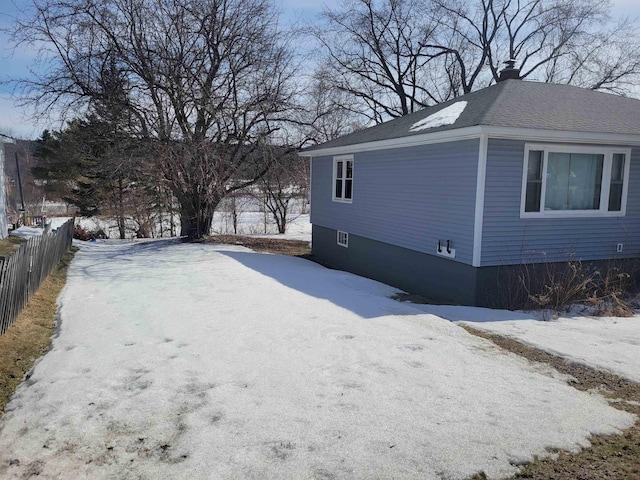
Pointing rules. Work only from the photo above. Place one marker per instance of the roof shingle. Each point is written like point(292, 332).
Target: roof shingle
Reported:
point(518, 104)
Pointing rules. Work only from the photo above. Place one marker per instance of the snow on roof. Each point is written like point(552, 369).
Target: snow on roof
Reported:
point(446, 116)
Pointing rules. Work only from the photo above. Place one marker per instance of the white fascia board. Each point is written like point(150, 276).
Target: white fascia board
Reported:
point(561, 136)
point(467, 133)
point(410, 141)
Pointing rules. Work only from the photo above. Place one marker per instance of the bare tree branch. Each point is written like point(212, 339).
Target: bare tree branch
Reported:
point(205, 75)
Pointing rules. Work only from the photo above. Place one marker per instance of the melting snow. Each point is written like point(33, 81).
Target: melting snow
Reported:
point(603, 342)
point(446, 116)
point(212, 361)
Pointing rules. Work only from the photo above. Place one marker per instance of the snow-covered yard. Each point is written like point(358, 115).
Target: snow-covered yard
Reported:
point(251, 220)
point(195, 361)
point(604, 343)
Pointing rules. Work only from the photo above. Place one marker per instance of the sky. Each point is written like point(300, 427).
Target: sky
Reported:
point(18, 122)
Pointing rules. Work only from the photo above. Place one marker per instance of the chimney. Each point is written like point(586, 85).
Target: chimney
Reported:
point(510, 71)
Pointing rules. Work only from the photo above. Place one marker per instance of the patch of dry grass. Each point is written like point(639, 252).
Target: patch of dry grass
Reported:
point(296, 248)
point(9, 245)
point(610, 456)
point(30, 335)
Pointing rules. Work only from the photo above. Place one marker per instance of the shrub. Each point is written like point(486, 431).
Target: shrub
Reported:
point(608, 289)
point(563, 285)
point(80, 233)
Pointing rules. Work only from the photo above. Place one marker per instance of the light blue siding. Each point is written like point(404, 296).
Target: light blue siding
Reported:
point(508, 239)
point(409, 197)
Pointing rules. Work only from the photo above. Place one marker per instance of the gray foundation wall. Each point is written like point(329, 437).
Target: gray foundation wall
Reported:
point(436, 278)
point(442, 280)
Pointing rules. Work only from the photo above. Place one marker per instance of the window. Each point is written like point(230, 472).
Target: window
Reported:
point(565, 181)
point(617, 182)
point(343, 178)
point(343, 239)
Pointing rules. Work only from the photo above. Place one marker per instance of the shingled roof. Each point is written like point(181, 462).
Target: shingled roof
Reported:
point(517, 104)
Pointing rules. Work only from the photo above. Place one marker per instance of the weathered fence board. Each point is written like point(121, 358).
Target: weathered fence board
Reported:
point(22, 273)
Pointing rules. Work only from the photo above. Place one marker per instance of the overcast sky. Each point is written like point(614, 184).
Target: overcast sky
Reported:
point(16, 122)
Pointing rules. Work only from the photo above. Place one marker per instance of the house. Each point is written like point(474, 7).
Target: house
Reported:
point(444, 201)
point(3, 200)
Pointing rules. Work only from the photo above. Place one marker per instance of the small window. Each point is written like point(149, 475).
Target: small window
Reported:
point(343, 178)
point(343, 239)
point(565, 181)
point(617, 182)
point(534, 181)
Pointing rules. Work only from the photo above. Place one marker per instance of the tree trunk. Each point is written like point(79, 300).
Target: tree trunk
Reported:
point(195, 223)
point(121, 220)
point(172, 226)
point(234, 214)
point(280, 216)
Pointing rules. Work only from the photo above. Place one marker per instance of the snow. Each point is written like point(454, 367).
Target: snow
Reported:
point(253, 224)
point(605, 343)
point(26, 232)
point(192, 361)
point(251, 221)
point(446, 116)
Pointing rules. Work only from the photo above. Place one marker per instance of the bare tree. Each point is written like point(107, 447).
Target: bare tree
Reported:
point(376, 53)
point(607, 60)
point(401, 55)
point(236, 204)
point(561, 41)
point(326, 113)
point(286, 183)
point(200, 79)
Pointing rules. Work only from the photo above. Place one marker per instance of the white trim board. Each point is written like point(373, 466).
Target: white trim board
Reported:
point(410, 141)
point(480, 190)
point(602, 212)
point(469, 133)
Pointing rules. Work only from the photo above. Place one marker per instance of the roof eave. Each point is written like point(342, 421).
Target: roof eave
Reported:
point(400, 142)
point(512, 133)
point(563, 136)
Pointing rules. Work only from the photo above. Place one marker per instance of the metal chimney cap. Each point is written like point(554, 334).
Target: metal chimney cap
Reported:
point(509, 71)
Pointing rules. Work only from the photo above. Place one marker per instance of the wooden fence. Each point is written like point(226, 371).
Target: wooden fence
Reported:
point(22, 273)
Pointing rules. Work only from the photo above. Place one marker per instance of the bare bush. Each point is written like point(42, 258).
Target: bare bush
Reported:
point(80, 233)
point(564, 285)
point(609, 289)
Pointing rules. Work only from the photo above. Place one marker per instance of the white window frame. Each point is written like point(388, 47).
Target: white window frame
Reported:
point(342, 158)
point(603, 211)
point(343, 239)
